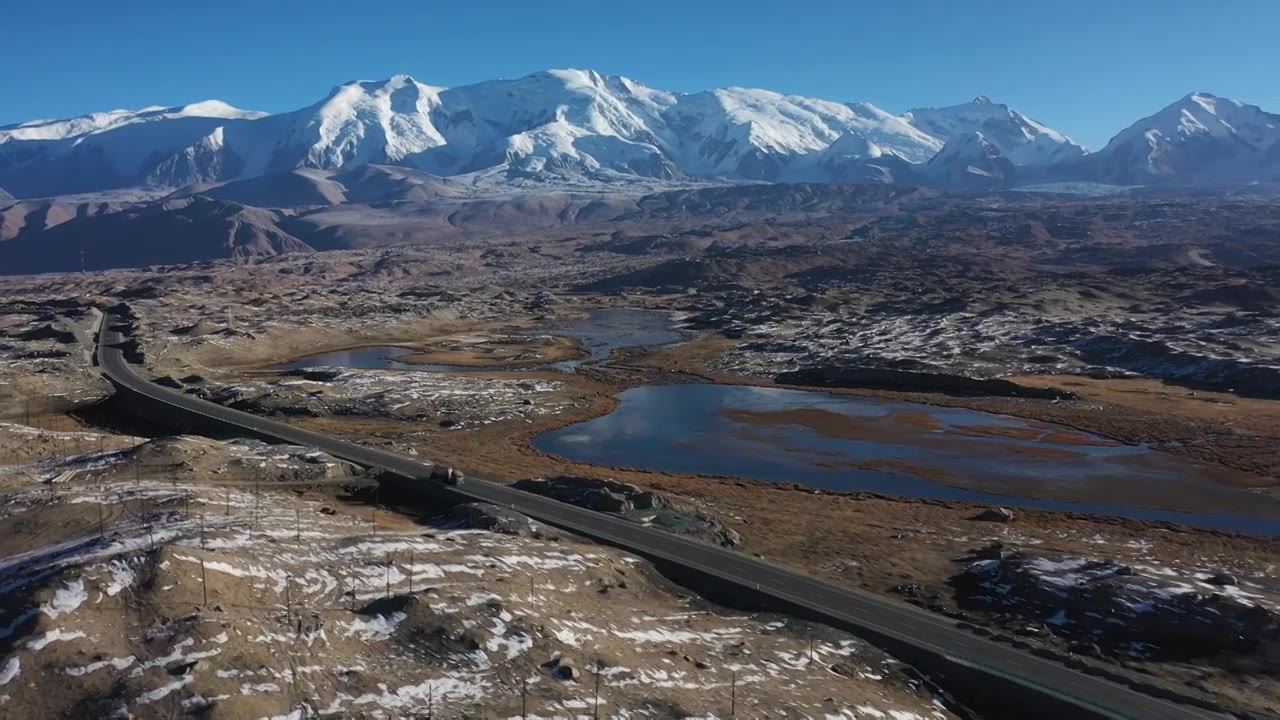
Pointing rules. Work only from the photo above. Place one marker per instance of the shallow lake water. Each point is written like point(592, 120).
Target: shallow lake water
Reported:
point(370, 358)
point(601, 332)
point(897, 448)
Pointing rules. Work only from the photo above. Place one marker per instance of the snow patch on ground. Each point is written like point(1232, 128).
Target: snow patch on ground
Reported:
point(67, 598)
point(52, 636)
point(376, 628)
point(12, 667)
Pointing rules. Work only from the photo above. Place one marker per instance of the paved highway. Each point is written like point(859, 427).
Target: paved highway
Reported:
point(899, 621)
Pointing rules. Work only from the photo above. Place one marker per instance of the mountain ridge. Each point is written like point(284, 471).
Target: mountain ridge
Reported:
point(588, 129)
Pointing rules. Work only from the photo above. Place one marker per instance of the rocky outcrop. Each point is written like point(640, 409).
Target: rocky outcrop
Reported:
point(997, 514)
point(634, 503)
point(487, 516)
point(1121, 608)
point(563, 668)
point(47, 331)
point(604, 495)
point(421, 625)
point(909, 381)
point(1162, 358)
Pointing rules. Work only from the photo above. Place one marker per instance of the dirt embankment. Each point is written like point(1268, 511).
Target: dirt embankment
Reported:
point(907, 381)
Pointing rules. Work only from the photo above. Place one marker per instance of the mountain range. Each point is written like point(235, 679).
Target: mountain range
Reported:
point(583, 129)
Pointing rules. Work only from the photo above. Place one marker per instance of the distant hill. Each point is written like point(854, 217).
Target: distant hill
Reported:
point(171, 232)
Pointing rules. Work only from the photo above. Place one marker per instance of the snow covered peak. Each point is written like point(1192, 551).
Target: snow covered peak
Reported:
point(71, 128)
point(351, 93)
point(1208, 101)
point(1022, 140)
point(360, 122)
point(966, 145)
point(1198, 137)
point(575, 78)
point(854, 145)
point(970, 160)
point(1203, 114)
point(764, 135)
point(212, 108)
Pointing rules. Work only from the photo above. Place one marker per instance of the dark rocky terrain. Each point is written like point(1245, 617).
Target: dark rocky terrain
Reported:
point(1141, 610)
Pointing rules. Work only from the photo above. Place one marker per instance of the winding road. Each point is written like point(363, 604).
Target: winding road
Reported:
point(878, 615)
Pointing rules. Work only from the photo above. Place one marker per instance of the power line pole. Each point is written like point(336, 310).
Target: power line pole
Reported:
point(595, 696)
point(733, 695)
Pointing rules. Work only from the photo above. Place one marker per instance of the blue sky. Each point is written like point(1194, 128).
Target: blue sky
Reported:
point(1085, 67)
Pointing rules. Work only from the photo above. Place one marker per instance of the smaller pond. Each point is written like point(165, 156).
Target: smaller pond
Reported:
point(374, 357)
point(601, 332)
point(899, 448)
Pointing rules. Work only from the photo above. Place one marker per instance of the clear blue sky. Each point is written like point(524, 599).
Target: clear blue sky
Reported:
point(1085, 67)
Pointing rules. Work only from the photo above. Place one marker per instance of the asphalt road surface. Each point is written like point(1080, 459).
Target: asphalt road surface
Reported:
point(889, 618)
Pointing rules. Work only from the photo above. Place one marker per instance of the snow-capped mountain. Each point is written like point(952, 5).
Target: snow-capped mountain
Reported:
point(359, 123)
point(1020, 139)
point(1199, 138)
point(970, 160)
point(559, 123)
point(591, 130)
point(763, 135)
point(98, 122)
point(852, 158)
point(114, 149)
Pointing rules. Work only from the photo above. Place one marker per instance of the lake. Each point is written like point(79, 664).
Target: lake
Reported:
point(897, 448)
